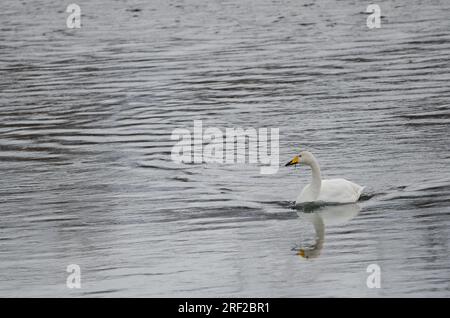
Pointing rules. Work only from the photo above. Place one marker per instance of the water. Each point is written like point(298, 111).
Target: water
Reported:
point(85, 122)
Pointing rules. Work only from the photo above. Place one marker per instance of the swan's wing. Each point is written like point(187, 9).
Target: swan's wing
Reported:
point(339, 191)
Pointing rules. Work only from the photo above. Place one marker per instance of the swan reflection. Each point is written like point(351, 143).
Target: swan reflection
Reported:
point(319, 216)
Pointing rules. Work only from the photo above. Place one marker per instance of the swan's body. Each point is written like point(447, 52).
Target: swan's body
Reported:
point(329, 191)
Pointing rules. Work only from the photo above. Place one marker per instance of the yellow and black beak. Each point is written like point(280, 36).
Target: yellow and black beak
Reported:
point(294, 161)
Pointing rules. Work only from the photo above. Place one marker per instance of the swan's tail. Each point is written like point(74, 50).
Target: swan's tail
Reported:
point(360, 190)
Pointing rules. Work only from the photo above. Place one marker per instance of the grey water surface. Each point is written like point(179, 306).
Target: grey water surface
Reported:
point(86, 117)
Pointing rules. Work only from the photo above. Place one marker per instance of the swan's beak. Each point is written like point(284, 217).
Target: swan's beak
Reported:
point(294, 161)
point(301, 253)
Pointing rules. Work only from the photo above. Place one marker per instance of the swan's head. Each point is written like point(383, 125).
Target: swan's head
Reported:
point(303, 158)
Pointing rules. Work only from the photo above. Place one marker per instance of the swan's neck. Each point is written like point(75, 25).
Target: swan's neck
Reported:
point(316, 182)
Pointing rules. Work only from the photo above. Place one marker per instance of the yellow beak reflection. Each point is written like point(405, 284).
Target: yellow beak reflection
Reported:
point(294, 161)
point(301, 253)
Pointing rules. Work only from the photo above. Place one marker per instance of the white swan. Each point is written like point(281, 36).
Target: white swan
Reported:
point(330, 191)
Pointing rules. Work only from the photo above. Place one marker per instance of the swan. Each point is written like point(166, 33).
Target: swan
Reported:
point(328, 191)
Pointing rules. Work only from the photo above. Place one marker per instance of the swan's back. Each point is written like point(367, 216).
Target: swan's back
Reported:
point(333, 191)
point(339, 191)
